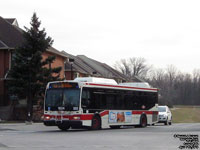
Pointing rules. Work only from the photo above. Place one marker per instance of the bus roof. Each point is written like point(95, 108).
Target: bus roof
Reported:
point(110, 83)
point(119, 87)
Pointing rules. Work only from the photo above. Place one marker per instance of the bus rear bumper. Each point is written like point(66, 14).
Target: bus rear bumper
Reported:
point(72, 123)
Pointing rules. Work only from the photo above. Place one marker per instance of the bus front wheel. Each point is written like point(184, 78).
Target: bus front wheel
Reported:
point(63, 127)
point(96, 123)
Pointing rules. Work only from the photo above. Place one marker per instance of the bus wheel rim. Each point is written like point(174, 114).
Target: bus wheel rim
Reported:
point(96, 123)
point(143, 121)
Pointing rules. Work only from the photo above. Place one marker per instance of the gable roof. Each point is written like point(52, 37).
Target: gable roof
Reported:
point(12, 21)
point(3, 45)
point(89, 66)
point(103, 69)
point(92, 67)
point(78, 65)
point(10, 35)
point(55, 51)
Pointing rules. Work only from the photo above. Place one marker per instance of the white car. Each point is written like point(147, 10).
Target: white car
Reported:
point(165, 115)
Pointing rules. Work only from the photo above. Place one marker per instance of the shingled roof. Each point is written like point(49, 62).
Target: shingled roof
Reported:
point(3, 45)
point(92, 67)
point(12, 21)
point(78, 65)
point(11, 36)
point(103, 69)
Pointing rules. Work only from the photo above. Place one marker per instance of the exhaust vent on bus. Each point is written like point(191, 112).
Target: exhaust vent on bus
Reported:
point(136, 84)
point(96, 80)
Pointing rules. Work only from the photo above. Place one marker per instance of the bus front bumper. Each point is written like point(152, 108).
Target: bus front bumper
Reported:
point(72, 123)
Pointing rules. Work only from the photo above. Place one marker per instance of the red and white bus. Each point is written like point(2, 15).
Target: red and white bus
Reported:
point(98, 103)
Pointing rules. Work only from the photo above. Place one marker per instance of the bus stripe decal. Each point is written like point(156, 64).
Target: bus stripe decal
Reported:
point(87, 117)
point(145, 112)
point(102, 114)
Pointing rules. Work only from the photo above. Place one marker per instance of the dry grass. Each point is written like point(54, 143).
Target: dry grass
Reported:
point(186, 114)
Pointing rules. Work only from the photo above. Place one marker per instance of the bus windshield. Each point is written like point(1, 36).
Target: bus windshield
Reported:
point(67, 98)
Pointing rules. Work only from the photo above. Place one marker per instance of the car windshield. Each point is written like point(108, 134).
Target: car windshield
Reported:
point(67, 98)
point(162, 109)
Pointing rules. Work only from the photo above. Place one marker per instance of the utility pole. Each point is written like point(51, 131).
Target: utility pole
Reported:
point(29, 101)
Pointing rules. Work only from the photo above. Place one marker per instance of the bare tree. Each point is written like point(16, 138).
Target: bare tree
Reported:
point(196, 85)
point(133, 67)
point(171, 74)
point(123, 67)
point(174, 86)
point(157, 77)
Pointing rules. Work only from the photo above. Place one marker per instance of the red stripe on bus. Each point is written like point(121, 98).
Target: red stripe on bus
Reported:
point(71, 117)
point(90, 116)
point(104, 113)
point(144, 112)
point(118, 86)
point(87, 117)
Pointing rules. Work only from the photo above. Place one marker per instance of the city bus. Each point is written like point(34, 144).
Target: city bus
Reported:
point(97, 103)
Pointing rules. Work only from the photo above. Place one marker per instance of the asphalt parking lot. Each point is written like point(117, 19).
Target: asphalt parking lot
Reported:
point(20, 136)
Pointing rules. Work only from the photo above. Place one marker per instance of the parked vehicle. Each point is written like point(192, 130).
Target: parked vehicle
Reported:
point(165, 115)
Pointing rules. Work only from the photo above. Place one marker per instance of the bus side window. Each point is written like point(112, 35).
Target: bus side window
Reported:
point(128, 102)
point(85, 100)
point(137, 101)
point(110, 101)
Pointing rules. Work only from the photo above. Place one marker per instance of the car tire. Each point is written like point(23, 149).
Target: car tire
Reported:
point(170, 123)
point(166, 122)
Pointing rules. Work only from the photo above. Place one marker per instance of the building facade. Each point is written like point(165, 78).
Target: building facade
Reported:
point(11, 36)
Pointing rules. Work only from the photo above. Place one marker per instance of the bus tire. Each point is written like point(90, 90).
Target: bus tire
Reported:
point(96, 122)
point(63, 127)
point(115, 127)
point(143, 121)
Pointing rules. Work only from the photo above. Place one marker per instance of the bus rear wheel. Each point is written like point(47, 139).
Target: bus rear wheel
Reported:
point(143, 121)
point(63, 127)
point(96, 123)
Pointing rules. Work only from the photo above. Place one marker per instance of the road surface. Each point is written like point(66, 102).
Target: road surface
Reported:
point(39, 137)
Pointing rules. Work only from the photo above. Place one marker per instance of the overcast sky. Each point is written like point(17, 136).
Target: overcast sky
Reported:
point(162, 32)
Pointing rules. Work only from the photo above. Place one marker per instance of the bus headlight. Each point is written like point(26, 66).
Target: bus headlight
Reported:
point(47, 118)
point(76, 118)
